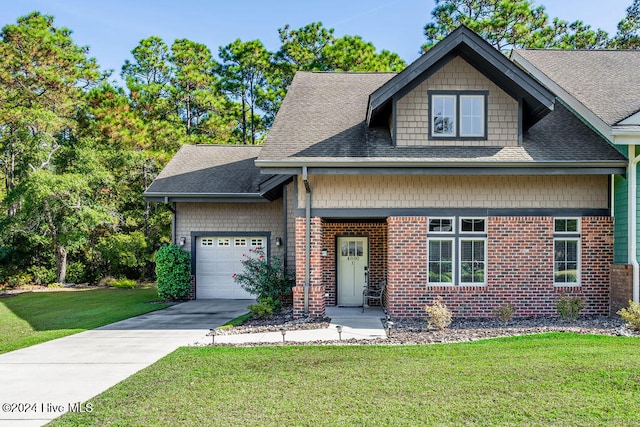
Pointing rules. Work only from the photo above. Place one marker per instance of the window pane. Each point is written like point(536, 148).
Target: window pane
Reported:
point(473, 225)
point(440, 261)
point(359, 250)
point(566, 225)
point(472, 115)
point(565, 266)
point(443, 115)
point(472, 261)
point(440, 225)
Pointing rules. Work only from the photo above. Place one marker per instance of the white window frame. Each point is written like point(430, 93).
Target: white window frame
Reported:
point(453, 259)
point(457, 236)
point(454, 133)
point(206, 241)
point(224, 241)
point(483, 119)
point(460, 261)
point(240, 242)
point(568, 236)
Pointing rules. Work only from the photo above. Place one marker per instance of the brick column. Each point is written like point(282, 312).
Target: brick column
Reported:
point(621, 287)
point(316, 288)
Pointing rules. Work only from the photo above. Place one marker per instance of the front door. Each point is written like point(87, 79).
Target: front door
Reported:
point(353, 262)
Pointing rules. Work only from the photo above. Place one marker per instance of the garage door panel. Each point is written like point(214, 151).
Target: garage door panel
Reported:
point(217, 260)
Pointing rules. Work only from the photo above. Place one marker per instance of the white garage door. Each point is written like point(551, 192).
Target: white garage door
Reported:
point(218, 258)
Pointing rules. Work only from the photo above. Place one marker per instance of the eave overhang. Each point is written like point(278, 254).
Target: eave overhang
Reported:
point(349, 167)
point(537, 100)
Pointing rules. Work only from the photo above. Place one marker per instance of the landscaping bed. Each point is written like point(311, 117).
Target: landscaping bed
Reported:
point(418, 331)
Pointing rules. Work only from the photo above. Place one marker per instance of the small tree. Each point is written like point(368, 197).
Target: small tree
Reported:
point(263, 278)
point(173, 272)
point(631, 315)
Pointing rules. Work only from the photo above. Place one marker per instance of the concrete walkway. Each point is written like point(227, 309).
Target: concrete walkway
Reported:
point(41, 382)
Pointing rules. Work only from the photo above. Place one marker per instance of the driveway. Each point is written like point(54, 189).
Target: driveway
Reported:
point(43, 381)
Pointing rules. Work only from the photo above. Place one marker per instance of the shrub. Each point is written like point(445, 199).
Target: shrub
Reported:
point(504, 312)
point(173, 272)
point(263, 278)
point(123, 283)
point(265, 308)
point(41, 275)
point(631, 315)
point(439, 314)
point(124, 254)
point(569, 307)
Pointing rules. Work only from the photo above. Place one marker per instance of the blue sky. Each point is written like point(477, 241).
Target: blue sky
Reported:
point(112, 28)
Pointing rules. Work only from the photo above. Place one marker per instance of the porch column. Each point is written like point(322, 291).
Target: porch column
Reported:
point(316, 287)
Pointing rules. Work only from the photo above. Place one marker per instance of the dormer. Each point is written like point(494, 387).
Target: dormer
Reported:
point(463, 92)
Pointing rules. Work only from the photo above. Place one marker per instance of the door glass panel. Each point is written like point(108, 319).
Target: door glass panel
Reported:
point(345, 249)
point(352, 248)
point(359, 251)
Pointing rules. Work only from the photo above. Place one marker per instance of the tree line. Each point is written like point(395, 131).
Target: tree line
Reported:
point(77, 151)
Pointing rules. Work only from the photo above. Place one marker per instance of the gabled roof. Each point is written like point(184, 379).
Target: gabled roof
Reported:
point(606, 82)
point(537, 99)
point(321, 124)
point(214, 172)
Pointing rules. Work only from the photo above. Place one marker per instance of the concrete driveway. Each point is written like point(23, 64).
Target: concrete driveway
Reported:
point(41, 382)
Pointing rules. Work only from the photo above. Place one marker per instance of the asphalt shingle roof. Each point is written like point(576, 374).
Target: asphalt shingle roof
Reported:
point(323, 120)
point(607, 82)
point(210, 169)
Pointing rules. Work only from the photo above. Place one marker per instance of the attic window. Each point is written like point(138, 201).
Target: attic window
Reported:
point(458, 114)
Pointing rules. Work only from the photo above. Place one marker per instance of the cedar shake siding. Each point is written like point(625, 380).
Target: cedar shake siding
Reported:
point(412, 118)
point(421, 191)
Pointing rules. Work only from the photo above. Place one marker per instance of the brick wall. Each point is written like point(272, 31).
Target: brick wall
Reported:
point(377, 234)
point(316, 287)
point(519, 268)
point(621, 287)
point(413, 109)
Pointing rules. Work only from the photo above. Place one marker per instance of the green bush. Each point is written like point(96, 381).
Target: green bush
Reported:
point(41, 275)
point(173, 272)
point(76, 272)
point(263, 278)
point(439, 315)
point(265, 308)
point(631, 315)
point(123, 283)
point(569, 307)
point(124, 254)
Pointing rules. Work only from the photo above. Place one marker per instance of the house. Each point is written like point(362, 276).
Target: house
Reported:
point(463, 177)
point(602, 87)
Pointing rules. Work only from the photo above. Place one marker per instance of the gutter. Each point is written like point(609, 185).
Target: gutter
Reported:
point(633, 227)
point(307, 248)
point(355, 163)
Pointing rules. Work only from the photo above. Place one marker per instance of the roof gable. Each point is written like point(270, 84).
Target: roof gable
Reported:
point(537, 100)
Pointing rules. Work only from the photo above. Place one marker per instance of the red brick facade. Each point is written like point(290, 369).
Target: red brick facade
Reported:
point(621, 287)
point(519, 266)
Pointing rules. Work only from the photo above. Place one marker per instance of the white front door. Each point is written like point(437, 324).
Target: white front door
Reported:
point(353, 262)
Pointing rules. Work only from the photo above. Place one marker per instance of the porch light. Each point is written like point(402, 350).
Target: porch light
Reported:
point(323, 252)
point(283, 331)
point(339, 328)
point(183, 241)
point(278, 241)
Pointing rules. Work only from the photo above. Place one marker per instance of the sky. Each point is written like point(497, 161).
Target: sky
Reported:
point(112, 28)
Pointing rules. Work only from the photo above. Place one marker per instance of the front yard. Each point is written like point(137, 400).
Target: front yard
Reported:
point(551, 379)
point(34, 317)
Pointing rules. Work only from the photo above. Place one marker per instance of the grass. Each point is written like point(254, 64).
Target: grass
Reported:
point(553, 379)
point(238, 321)
point(31, 318)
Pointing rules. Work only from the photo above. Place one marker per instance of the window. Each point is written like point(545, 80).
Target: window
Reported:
point(240, 242)
point(457, 255)
point(224, 241)
point(458, 114)
point(566, 251)
point(206, 241)
point(257, 242)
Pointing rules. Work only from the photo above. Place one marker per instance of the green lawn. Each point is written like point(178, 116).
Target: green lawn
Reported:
point(553, 379)
point(35, 317)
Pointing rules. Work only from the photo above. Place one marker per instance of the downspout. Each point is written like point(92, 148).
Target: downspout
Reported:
point(174, 218)
point(307, 248)
point(633, 226)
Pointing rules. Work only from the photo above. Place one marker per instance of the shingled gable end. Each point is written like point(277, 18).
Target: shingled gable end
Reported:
point(460, 177)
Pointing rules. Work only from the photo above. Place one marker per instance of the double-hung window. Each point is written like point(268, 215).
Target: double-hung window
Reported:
point(458, 114)
point(457, 251)
point(566, 251)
